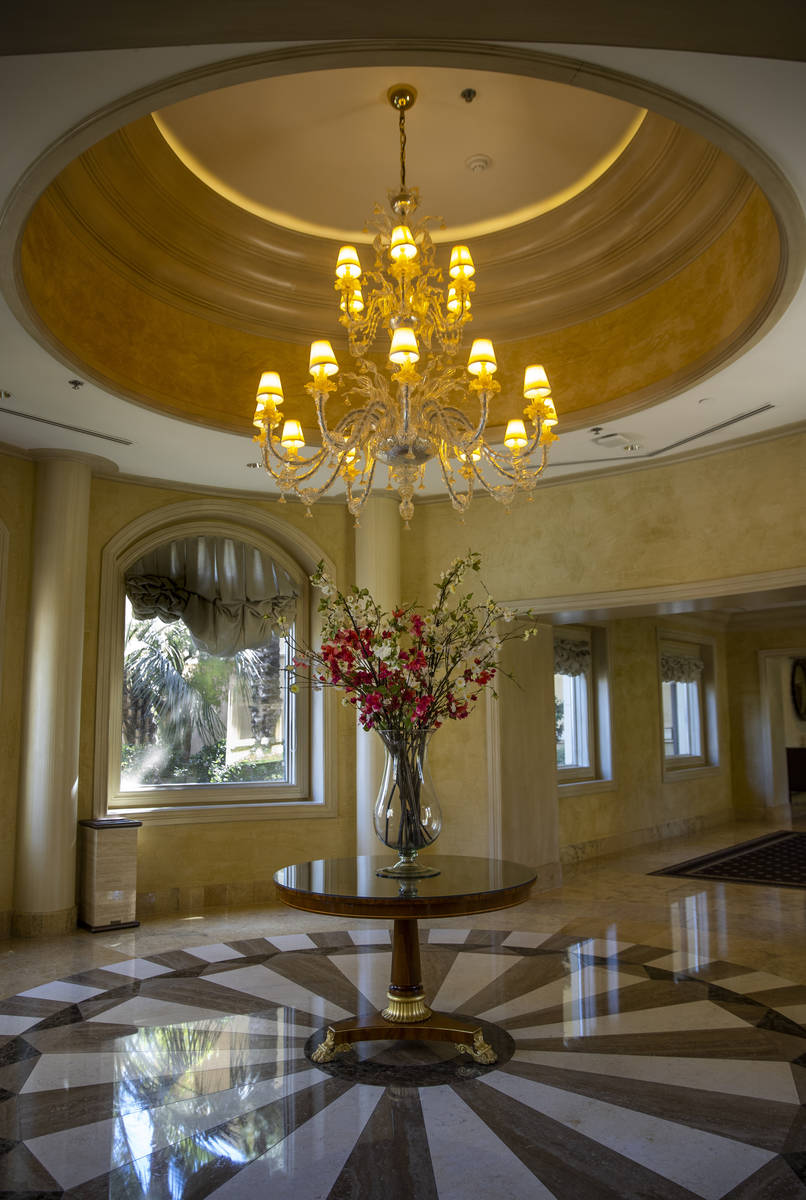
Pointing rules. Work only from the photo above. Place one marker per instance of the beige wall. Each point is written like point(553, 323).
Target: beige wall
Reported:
point(714, 517)
point(16, 513)
point(687, 522)
point(641, 805)
point(744, 682)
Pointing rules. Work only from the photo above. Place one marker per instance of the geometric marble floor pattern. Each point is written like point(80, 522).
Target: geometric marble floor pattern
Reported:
point(636, 1072)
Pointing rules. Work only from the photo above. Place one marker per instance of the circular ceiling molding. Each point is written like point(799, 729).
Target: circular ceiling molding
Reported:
point(660, 269)
point(314, 158)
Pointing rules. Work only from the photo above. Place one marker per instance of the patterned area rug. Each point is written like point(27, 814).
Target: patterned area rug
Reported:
point(778, 859)
point(632, 1072)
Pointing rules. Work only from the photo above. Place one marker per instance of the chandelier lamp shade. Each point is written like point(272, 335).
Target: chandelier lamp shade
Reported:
point(410, 401)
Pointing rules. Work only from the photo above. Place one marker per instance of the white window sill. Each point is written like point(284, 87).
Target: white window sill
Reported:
point(685, 774)
point(188, 814)
point(582, 787)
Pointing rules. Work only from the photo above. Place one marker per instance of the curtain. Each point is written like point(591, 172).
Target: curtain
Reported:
point(680, 668)
point(231, 596)
point(572, 656)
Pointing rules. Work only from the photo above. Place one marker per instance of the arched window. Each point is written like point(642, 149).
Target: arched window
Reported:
point(194, 711)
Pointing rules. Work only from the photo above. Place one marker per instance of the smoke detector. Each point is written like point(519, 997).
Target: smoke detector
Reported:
point(478, 163)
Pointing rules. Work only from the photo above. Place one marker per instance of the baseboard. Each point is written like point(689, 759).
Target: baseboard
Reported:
point(45, 924)
point(194, 898)
point(617, 843)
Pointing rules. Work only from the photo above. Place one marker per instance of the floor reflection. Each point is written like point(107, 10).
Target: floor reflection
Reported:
point(645, 1069)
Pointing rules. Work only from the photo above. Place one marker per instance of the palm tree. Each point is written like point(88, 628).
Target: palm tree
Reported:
point(165, 696)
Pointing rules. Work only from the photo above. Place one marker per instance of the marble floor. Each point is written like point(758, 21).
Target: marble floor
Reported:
point(652, 1044)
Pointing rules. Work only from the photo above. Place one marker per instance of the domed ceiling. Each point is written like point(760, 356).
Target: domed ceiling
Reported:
point(196, 246)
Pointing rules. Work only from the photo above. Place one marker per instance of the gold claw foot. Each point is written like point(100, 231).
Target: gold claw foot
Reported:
point(481, 1051)
point(327, 1050)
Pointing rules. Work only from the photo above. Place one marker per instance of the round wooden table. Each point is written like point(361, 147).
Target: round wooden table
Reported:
point(350, 887)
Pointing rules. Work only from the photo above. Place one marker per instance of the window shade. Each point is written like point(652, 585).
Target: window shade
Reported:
point(677, 667)
point(572, 656)
point(231, 596)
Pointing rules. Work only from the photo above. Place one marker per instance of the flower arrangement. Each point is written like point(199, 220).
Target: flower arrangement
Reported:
point(406, 672)
point(408, 669)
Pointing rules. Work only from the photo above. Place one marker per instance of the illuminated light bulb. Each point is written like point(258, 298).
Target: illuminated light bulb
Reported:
point(260, 420)
point(402, 244)
point(355, 304)
point(535, 382)
point(322, 359)
point(292, 437)
point(270, 387)
point(549, 413)
point(457, 303)
point(461, 263)
point(482, 357)
point(404, 347)
point(474, 455)
point(515, 437)
point(348, 265)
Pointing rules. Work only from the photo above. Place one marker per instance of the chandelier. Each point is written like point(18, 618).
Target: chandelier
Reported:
point(414, 404)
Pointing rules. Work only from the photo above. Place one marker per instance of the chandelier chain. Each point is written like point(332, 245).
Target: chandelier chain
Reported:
point(402, 122)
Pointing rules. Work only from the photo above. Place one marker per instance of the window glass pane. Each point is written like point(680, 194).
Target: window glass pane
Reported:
point(192, 718)
point(681, 720)
point(571, 720)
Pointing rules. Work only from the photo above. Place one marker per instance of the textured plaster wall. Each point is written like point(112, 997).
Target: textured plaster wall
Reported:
point(744, 681)
point(687, 522)
point(641, 802)
point(16, 513)
point(207, 855)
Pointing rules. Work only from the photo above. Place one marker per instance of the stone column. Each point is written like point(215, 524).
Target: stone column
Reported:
point(44, 884)
point(523, 763)
point(377, 567)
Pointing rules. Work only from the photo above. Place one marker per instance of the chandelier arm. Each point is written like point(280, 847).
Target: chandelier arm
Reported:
point(353, 505)
point(315, 462)
point(475, 431)
point(496, 457)
point(459, 500)
point(500, 491)
point(312, 494)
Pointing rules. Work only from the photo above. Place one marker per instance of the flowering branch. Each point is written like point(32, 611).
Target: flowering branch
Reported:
point(407, 669)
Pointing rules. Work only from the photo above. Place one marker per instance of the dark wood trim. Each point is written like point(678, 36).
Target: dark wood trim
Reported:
point(396, 907)
point(111, 823)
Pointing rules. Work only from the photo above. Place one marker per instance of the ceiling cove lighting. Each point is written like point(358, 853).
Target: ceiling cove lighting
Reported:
point(414, 408)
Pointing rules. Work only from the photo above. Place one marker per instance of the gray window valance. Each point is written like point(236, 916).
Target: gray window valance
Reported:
point(572, 656)
point(231, 596)
point(680, 668)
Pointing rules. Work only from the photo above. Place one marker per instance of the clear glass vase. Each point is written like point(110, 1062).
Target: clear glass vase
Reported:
point(407, 813)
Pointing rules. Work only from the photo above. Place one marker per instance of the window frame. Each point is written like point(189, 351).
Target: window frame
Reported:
point(696, 645)
point(314, 792)
point(575, 773)
point(599, 775)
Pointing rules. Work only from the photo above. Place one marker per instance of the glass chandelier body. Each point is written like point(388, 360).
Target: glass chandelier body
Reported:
point(414, 403)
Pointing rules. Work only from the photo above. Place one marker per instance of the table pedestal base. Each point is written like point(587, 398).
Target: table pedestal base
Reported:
point(438, 1027)
point(407, 1016)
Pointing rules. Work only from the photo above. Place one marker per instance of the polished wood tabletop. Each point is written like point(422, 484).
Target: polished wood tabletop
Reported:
point(351, 887)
